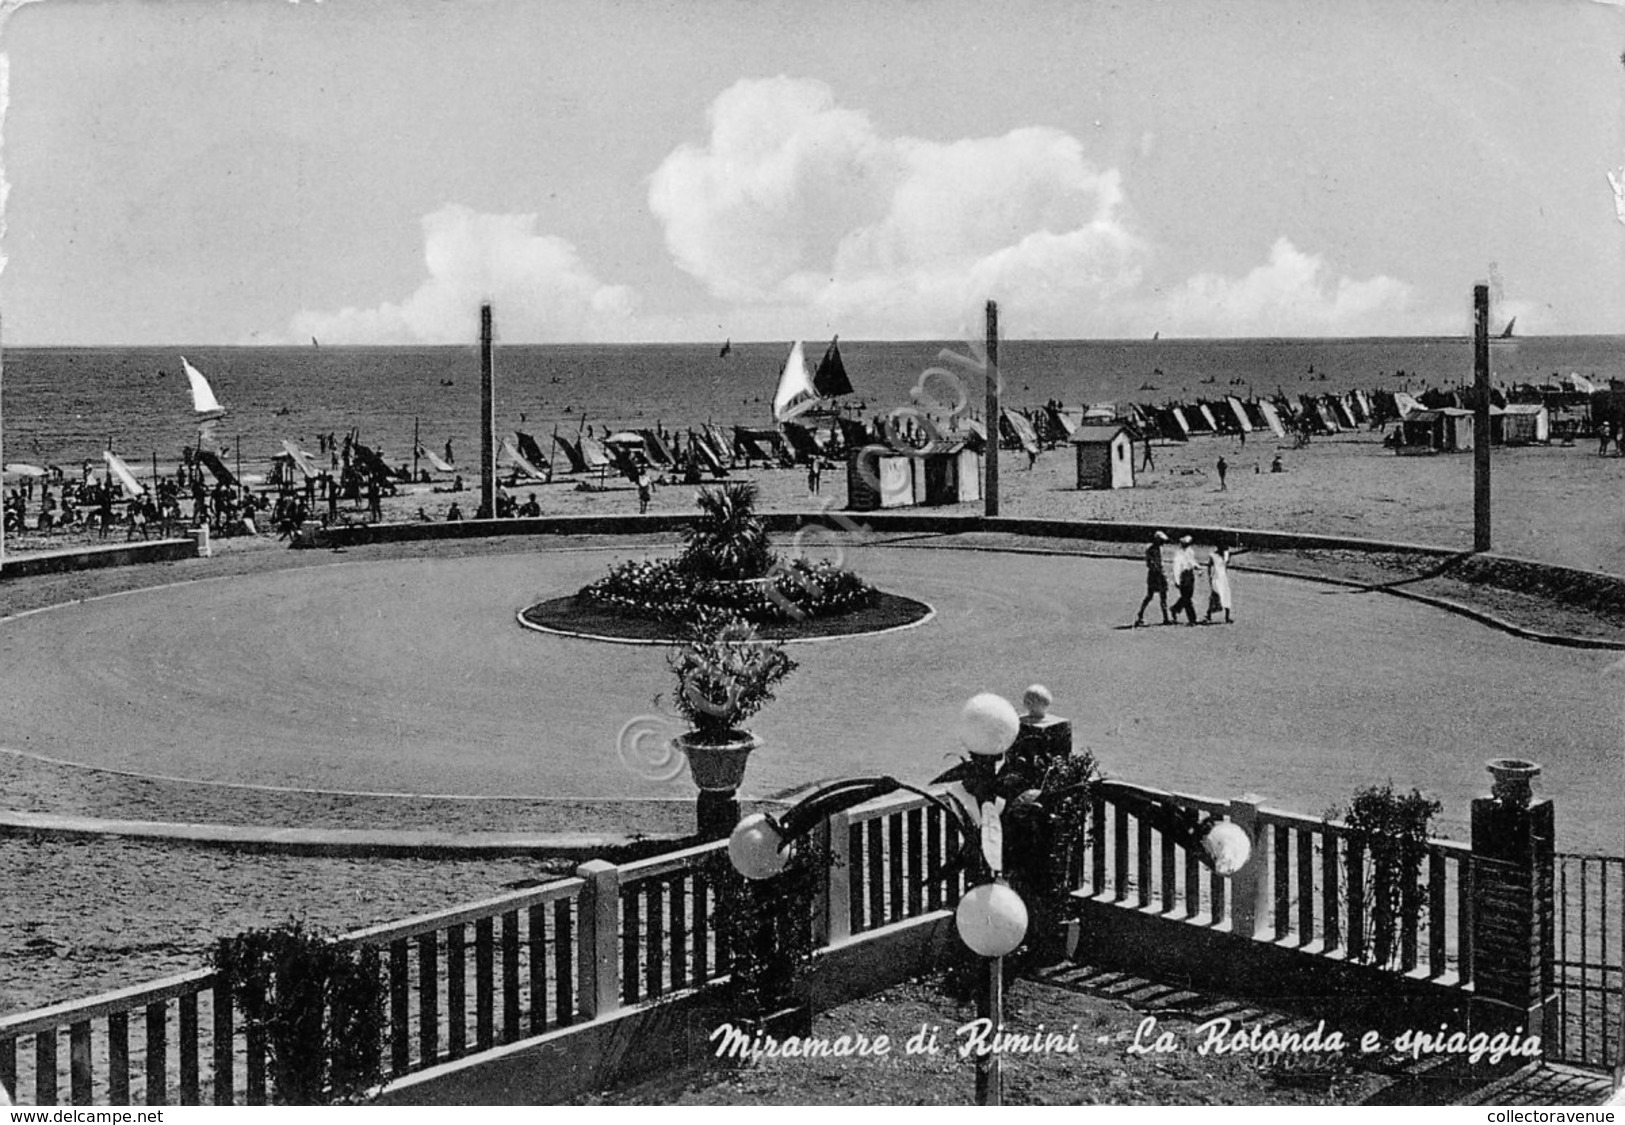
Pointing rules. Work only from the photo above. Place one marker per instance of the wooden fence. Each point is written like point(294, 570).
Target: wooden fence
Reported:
point(486, 974)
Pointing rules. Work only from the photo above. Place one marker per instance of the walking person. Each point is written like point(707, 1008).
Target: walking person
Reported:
point(645, 491)
point(1156, 580)
point(1185, 579)
point(1223, 468)
point(1150, 462)
point(1218, 580)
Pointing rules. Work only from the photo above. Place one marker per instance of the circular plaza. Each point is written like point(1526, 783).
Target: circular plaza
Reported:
point(412, 676)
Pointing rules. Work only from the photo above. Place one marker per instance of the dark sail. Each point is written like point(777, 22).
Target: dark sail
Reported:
point(727, 346)
point(831, 380)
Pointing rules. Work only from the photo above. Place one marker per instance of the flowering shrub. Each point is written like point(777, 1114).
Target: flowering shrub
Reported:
point(725, 675)
point(664, 590)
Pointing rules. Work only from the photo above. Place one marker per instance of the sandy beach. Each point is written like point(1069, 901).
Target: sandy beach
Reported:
point(1555, 504)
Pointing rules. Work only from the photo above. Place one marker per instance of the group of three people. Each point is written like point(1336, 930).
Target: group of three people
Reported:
point(1184, 578)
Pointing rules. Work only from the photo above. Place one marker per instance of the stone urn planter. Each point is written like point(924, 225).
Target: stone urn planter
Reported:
point(717, 767)
point(1513, 780)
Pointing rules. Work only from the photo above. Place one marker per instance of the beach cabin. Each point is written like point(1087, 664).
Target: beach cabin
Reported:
point(1445, 430)
point(949, 474)
point(1523, 424)
point(1105, 456)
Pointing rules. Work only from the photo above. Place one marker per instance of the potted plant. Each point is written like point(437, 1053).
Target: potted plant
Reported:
point(725, 674)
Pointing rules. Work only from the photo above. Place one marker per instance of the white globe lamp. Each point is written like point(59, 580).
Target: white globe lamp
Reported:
point(988, 724)
point(756, 849)
point(1227, 846)
point(992, 919)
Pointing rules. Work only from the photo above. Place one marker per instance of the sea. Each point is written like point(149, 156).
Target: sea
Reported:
point(64, 406)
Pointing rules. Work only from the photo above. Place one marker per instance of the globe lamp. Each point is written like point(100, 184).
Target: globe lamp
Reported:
point(992, 919)
point(756, 848)
point(988, 724)
point(1227, 846)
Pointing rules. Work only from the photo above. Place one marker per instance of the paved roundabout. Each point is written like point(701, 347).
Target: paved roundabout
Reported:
point(412, 676)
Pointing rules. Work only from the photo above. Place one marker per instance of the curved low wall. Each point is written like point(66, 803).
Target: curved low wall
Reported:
point(91, 558)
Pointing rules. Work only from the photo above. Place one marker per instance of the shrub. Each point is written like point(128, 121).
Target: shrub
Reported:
point(725, 675)
point(728, 540)
point(1394, 830)
point(319, 1005)
point(765, 929)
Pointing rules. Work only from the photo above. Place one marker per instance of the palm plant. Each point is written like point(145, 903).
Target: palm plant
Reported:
point(728, 540)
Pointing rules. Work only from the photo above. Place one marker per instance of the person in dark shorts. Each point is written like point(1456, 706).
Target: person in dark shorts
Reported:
point(1156, 580)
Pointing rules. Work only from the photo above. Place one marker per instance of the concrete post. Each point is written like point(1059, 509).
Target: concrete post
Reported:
point(1514, 940)
point(833, 910)
point(598, 955)
point(1249, 887)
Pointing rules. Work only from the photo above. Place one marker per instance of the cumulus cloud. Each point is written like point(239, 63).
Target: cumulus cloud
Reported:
point(1291, 294)
point(796, 202)
point(539, 281)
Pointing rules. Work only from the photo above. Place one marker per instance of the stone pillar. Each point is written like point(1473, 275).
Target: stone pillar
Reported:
point(1514, 944)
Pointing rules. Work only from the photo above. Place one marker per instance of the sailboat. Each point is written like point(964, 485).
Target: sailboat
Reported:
point(796, 394)
point(727, 347)
point(203, 400)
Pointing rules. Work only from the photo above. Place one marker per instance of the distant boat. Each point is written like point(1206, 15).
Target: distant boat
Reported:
point(727, 346)
point(1506, 333)
point(203, 400)
point(1156, 335)
point(315, 343)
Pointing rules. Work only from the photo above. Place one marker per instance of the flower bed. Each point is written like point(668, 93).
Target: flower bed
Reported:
point(796, 591)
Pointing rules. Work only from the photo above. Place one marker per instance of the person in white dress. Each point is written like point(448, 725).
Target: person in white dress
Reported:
point(1218, 580)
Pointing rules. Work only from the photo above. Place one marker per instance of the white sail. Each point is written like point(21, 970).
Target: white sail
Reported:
point(795, 395)
point(203, 399)
point(132, 487)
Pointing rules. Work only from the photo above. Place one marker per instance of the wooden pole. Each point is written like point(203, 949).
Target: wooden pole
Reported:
point(3, 493)
point(417, 444)
point(990, 493)
point(488, 420)
point(1481, 418)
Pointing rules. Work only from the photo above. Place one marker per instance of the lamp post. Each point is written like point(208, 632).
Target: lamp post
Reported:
point(991, 917)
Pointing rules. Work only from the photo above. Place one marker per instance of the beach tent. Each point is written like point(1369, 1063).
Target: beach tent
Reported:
point(572, 453)
point(1406, 404)
point(756, 445)
point(801, 441)
point(658, 452)
point(1361, 406)
point(701, 452)
point(1341, 411)
point(936, 474)
point(1015, 429)
point(1175, 427)
point(1271, 417)
point(217, 468)
point(531, 451)
point(1062, 423)
point(593, 454)
point(1240, 412)
point(132, 487)
point(1579, 384)
point(1105, 455)
point(510, 455)
point(440, 464)
point(720, 442)
point(22, 469)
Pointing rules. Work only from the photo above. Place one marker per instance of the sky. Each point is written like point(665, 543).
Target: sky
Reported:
point(370, 171)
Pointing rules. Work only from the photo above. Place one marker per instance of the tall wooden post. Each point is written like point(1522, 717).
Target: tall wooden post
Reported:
point(990, 493)
point(1481, 418)
point(417, 444)
point(488, 420)
point(3, 492)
